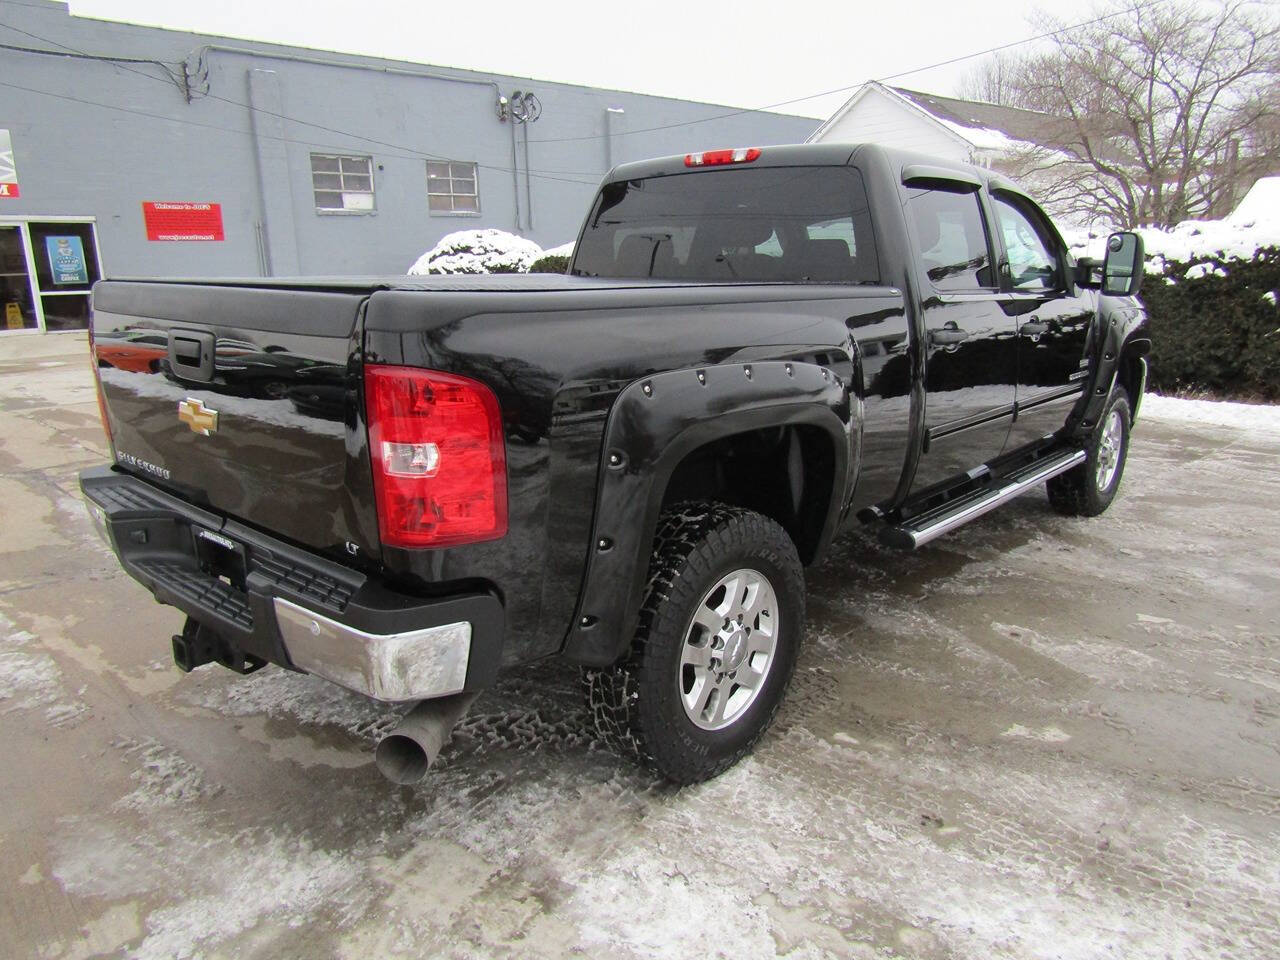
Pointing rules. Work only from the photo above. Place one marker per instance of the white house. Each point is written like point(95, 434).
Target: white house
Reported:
point(1023, 144)
point(965, 130)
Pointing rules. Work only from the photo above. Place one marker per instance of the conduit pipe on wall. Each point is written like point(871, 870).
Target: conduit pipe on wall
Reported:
point(515, 174)
point(528, 187)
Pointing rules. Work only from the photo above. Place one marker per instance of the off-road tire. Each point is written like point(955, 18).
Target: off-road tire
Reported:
point(636, 704)
point(1077, 492)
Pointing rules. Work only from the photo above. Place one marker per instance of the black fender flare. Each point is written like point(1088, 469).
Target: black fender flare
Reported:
point(652, 426)
point(1121, 332)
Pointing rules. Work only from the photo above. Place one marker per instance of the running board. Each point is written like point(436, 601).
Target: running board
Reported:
point(932, 524)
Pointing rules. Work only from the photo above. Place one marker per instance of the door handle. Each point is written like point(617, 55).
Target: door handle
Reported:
point(1033, 328)
point(947, 336)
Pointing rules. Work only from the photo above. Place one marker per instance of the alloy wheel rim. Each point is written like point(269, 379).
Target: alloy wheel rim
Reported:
point(730, 644)
point(1109, 444)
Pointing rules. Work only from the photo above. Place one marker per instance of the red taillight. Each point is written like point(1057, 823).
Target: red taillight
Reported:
point(97, 382)
point(715, 158)
point(439, 461)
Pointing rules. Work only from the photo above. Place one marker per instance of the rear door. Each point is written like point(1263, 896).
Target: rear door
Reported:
point(971, 339)
point(241, 399)
point(1053, 318)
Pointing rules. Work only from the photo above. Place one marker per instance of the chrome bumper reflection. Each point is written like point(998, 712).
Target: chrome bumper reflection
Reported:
point(395, 667)
point(99, 517)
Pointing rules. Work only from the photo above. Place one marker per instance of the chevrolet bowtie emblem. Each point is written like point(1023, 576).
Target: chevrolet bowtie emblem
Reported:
point(197, 416)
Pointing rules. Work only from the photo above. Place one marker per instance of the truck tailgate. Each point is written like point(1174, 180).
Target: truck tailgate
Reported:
point(242, 399)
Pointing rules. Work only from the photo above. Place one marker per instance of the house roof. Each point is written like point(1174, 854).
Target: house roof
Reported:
point(984, 126)
point(975, 117)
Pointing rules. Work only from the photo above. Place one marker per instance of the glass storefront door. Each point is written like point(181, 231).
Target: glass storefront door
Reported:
point(15, 282)
point(47, 269)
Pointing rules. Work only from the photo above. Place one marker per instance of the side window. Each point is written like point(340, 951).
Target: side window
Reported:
point(841, 229)
point(1031, 265)
point(452, 187)
point(952, 239)
point(342, 184)
point(771, 247)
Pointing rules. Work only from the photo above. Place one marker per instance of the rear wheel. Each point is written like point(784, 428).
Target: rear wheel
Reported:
point(715, 648)
point(1087, 490)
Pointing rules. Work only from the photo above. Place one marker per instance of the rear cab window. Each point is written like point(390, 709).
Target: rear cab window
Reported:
point(768, 224)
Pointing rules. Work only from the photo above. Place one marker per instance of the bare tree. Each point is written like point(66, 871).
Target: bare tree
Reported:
point(992, 80)
point(1165, 111)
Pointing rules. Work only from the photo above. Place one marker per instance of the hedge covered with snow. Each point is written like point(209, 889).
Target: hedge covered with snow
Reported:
point(1215, 325)
point(478, 251)
point(1211, 289)
point(550, 263)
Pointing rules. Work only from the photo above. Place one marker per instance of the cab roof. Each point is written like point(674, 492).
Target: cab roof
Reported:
point(904, 162)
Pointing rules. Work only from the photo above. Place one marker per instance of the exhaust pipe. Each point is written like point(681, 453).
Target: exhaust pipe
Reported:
point(406, 754)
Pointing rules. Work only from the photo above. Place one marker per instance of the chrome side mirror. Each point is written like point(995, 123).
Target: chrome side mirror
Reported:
point(1122, 269)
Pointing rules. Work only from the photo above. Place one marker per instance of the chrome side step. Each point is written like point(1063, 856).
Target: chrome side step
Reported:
point(932, 524)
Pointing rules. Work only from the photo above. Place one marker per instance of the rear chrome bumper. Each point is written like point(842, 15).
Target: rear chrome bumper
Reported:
point(285, 605)
point(414, 665)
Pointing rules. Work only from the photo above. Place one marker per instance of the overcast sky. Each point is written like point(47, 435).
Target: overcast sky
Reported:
point(742, 54)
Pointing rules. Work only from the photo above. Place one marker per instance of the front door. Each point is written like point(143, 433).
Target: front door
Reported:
point(971, 341)
point(1053, 320)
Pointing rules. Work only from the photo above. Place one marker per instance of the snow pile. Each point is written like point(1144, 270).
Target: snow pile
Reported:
point(1260, 205)
point(1253, 417)
point(564, 250)
point(478, 251)
point(1254, 224)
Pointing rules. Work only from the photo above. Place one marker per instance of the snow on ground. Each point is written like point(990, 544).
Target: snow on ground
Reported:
point(478, 251)
point(1252, 417)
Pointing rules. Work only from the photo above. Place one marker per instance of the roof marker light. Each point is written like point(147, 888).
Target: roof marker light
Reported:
point(716, 158)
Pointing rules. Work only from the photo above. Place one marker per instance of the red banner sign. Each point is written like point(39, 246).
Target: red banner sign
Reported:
point(183, 221)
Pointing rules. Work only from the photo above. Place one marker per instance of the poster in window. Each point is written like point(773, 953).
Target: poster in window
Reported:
point(8, 169)
point(66, 260)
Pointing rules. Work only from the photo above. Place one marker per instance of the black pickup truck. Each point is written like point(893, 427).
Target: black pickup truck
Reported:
point(405, 485)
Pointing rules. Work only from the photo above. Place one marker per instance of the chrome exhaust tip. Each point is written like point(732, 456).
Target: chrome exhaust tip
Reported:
point(406, 754)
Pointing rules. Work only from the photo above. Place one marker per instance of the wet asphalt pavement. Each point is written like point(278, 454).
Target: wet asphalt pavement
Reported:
point(1037, 737)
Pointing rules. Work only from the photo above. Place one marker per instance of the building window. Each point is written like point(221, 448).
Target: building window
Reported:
point(451, 187)
point(342, 183)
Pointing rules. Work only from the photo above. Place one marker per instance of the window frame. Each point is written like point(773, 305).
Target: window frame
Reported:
point(474, 178)
point(341, 174)
point(1042, 228)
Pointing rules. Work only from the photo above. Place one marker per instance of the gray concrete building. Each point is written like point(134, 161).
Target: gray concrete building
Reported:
point(128, 150)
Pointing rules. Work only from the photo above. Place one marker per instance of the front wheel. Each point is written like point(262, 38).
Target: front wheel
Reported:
point(717, 642)
point(1087, 490)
